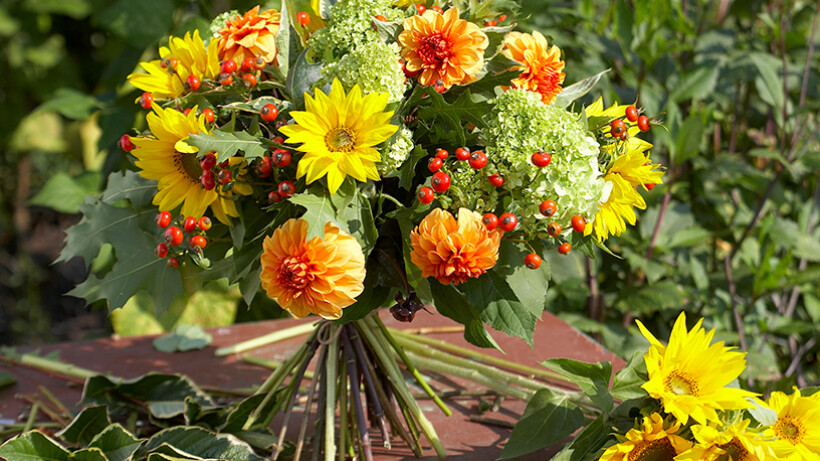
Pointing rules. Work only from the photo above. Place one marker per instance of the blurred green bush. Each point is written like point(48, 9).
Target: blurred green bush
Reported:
point(732, 235)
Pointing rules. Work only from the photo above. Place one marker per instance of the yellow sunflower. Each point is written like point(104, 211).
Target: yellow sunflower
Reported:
point(654, 439)
point(733, 442)
point(338, 133)
point(690, 376)
point(798, 422)
point(191, 58)
point(167, 158)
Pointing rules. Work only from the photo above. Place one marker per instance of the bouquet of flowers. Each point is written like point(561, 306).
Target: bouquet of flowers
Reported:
point(365, 154)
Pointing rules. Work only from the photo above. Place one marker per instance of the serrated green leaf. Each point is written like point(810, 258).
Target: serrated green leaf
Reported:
point(201, 443)
point(454, 305)
point(578, 89)
point(116, 443)
point(129, 185)
point(226, 144)
point(586, 443)
point(408, 168)
point(90, 422)
point(441, 116)
point(548, 418)
point(591, 378)
point(301, 77)
point(499, 307)
point(33, 446)
point(628, 380)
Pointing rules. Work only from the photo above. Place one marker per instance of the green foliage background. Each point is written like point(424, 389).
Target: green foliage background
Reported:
point(732, 235)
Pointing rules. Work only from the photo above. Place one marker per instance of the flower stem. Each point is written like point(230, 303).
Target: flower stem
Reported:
point(266, 339)
point(343, 429)
point(300, 441)
point(353, 375)
point(370, 387)
point(410, 367)
point(271, 364)
point(293, 388)
point(331, 373)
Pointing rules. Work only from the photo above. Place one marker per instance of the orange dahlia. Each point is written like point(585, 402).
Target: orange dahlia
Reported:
point(249, 36)
point(319, 276)
point(443, 47)
point(541, 64)
point(453, 250)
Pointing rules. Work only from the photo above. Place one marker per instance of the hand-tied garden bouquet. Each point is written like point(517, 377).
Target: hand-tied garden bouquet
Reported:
point(370, 153)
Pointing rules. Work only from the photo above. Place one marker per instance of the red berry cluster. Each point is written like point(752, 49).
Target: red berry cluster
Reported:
point(618, 128)
point(440, 181)
point(279, 158)
point(175, 234)
point(247, 71)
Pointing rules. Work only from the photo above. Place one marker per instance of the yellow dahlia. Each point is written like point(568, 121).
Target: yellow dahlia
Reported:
point(338, 133)
point(690, 376)
point(798, 423)
point(453, 250)
point(733, 442)
point(443, 47)
point(191, 58)
point(320, 276)
point(250, 36)
point(167, 158)
point(652, 440)
point(541, 65)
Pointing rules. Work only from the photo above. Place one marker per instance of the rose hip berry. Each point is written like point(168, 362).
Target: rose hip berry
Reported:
point(434, 164)
point(189, 224)
point(579, 224)
point(425, 195)
point(631, 114)
point(224, 176)
point(250, 80)
point(281, 158)
point(209, 115)
point(173, 263)
point(162, 250)
point(507, 222)
point(225, 79)
point(442, 154)
point(440, 182)
point(163, 219)
point(125, 143)
point(554, 229)
point(421, 8)
point(259, 63)
point(564, 248)
point(192, 83)
point(286, 188)
point(490, 220)
point(228, 67)
point(204, 223)
point(496, 180)
point(247, 65)
point(478, 160)
point(263, 168)
point(532, 261)
point(208, 180)
point(207, 161)
point(198, 241)
point(548, 208)
point(145, 100)
point(617, 128)
point(462, 153)
point(541, 159)
point(643, 123)
point(269, 113)
point(274, 197)
point(173, 236)
point(303, 18)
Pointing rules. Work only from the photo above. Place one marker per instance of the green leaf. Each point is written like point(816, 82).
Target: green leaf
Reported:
point(446, 119)
point(129, 185)
point(651, 298)
point(689, 138)
point(548, 418)
point(90, 422)
point(408, 168)
point(578, 89)
point(586, 443)
point(226, 144)
point(591, 378)
point(769, 84)
point(116, 443)
point(696, 84)
point(521, 279)
point(88, 454)
point(201, 443)
point(6, 379)
point(454, 305)
point(64, 193)
point(301, 78)
point(803, 245)
point(139, 23)
point(70, 103)
point(499, 306)
point(33, 446)
point(183, 338)
point(628, 380)
point(163, 394)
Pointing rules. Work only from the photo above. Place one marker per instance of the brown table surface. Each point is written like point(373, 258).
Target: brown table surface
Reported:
point(463, 439)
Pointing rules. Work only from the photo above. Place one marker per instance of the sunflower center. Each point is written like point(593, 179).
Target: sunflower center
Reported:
point(790, 429)
point(294, 274)
point(655, 450)
point(680, 384)
point(188, 166)
point(434, 50)
point(734, 451)
point(340, 139)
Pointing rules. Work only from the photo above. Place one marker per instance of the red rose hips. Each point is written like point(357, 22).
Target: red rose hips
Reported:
point(125, 143)
point(425, 195)
point(286, 188)
point(541, 159)
point(554, 229)
point(532, 261)
point(579, 224)
point(269, 113)
point(462, 153)
point(204, 223)
point(507, 222)
point(198, 241)
point(564, 248)
point(434, 164)
point(228, 67)
point(631, 114)
point(490, 220)
point(163, 219)
point(548, 208)
point(478, 160)
point(440, 182)
point(173, 236)
point(643, 123)
point(162, 250)
point(496, 180)
point(189, 224)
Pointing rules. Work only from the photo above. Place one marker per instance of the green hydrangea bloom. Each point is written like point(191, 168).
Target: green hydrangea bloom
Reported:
point(350, 24)
point(374, 66)
point(397, 151)
point(519, 125)
point(219, 22)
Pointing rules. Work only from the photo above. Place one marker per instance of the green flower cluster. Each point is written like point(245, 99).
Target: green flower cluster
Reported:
point(374, 66)
point(219, 22)
point(350, 24)
point(520, 125)
point(397, 150)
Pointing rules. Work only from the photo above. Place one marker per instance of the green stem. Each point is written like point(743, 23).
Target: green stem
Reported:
point(524, 369)
point(48, 365)
point(32, 414)
point(393, 199)
point(311, 393)
point(375, 336)
point(271, 364)
point(342, 410)
point(330, 396)
point(266, 339)
point(411, 368)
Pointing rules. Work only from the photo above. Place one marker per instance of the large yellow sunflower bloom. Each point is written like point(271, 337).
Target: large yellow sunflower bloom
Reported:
point(652, 440)
point(338, 133)
point(798, 422)
point(690, 376)
point(167, 158)
point(735, 442)
point(192, 59)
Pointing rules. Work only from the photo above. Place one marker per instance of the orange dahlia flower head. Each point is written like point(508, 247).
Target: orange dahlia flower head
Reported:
point(541, 65)
point(453, 250)
point(443, 47)
point(249, 36)
point(320, 276)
